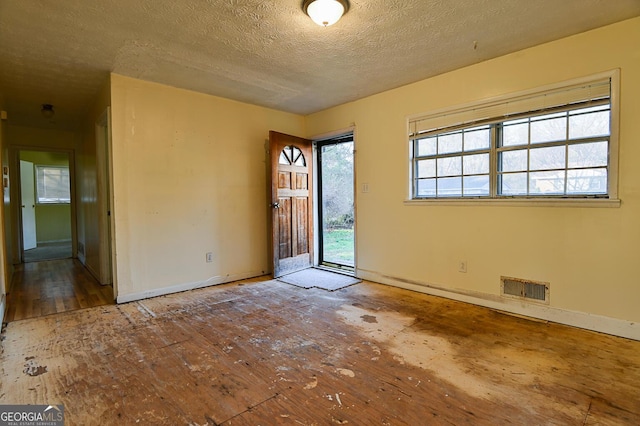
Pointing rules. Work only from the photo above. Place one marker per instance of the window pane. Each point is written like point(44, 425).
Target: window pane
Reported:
point(514, 184)
point(450, 143)
point(426, 168)
point(449, 166)
point(587, 181)
point(589, 125)
point(548, 116)
point(476, 164)
point(514, 161)
point(300, 160)
point(588, 154)
point(426, 188)
point(53, 184)
point(476, 185)
point(515, 134)
point(547, 158)
point(549, 130)
point(476, 139)
point(426, 146)
point(604, 107)
point(546, 182)
point(298, 157)
point(450, 187)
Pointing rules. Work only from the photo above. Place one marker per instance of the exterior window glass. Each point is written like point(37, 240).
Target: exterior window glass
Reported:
point(454, 164)
point(559, 151)
point(52, 185)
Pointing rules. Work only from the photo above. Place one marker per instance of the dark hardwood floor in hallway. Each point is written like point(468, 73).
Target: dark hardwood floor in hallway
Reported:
point(54, 286)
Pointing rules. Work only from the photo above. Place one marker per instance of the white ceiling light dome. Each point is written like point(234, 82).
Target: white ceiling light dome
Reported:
point(325, 12)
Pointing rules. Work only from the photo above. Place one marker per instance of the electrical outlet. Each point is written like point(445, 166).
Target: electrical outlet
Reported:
point(209, 257)
point(365, 188)
point(462, 266)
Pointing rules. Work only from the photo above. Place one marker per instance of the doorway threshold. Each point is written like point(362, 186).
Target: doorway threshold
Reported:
point(338, 269)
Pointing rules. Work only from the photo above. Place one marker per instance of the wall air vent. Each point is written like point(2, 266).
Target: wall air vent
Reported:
point(524, 289)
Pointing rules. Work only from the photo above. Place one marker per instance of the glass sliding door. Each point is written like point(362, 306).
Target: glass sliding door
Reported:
point(336, 208)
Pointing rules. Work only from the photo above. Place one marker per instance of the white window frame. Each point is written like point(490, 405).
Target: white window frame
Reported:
point(450, 117)
point(38, 170)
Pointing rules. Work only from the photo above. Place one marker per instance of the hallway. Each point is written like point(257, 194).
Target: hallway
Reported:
point(43, 288)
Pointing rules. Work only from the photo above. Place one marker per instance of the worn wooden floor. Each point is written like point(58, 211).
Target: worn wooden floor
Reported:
point(267, 353)
point(54, 286)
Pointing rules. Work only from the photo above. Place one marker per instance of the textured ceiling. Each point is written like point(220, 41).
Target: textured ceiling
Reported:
point(265, 52)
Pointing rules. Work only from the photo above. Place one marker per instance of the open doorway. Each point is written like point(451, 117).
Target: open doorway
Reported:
point(336, 203)
point(296, 234)
point(45, 206)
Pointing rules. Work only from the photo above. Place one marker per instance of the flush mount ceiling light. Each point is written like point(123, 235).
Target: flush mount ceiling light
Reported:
point(325, 12)
point(47, 110)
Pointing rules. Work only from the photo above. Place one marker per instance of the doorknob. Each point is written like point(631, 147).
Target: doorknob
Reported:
point(276, 205)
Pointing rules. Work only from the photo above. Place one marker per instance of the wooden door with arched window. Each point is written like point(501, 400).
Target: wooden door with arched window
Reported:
point(291, 203)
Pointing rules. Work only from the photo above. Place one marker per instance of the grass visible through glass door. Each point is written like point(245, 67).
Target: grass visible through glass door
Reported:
point(338, 246)
point(336, 201)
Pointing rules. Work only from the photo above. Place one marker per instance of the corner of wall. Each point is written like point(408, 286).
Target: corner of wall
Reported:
point(6, 267)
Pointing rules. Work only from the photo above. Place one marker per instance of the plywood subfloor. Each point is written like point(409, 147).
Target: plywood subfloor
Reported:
point(263, 352)
point(54, 286)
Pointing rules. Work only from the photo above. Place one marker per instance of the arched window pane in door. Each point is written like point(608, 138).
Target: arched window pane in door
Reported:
point(292, 155)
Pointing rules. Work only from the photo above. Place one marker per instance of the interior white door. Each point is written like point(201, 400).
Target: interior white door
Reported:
point(28, 197)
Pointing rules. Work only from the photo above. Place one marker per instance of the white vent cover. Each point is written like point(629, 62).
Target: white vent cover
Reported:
point(524, 289)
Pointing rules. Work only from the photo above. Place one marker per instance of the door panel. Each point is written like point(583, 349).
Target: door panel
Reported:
point(284, 226)
point(28, 199)
point(284, 180)
point(291, 201)
point(302, 213)
point(302, 181)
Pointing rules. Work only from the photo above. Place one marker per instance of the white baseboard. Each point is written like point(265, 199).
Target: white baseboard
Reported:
point(599, 323)
point(221, 279)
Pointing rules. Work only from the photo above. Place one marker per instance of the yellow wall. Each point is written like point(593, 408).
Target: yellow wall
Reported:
point(53, 223)
point(189, 176)
point(588, 255)
point(35, 137)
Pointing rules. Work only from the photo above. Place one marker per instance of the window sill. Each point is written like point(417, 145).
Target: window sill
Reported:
point(518, 202)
